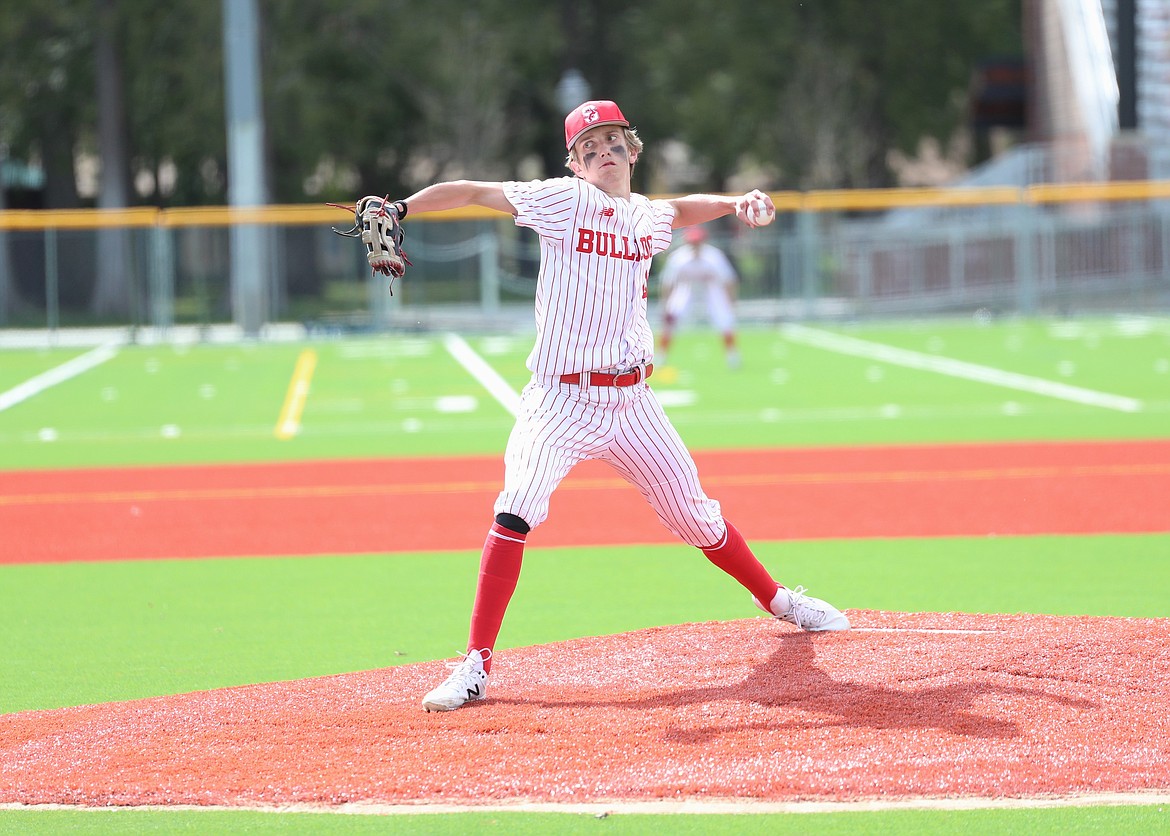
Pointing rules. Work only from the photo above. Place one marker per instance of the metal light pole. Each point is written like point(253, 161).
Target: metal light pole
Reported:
point(245, 148)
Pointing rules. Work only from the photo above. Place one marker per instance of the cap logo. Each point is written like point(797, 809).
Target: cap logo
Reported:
point(589, 114)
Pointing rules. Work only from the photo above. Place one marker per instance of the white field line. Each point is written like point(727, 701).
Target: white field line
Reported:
point(496, 386)
point(957, 368)
point(70, 369)
point(918, 630)
point(601, 809)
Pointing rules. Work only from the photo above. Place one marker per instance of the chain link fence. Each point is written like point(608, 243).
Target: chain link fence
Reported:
point(830, 255)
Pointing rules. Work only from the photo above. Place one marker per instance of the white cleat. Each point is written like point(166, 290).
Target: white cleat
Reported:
point(467, 682)
point(806, 612)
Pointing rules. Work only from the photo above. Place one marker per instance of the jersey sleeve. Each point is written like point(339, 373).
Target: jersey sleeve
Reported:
point(662, 215)
point(545, 206)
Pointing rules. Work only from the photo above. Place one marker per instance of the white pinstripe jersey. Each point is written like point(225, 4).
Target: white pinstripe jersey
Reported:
point(595, 253)
point(708, 265)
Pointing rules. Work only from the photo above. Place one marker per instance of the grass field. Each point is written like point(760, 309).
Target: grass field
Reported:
point(78, 633)
point(407, 395)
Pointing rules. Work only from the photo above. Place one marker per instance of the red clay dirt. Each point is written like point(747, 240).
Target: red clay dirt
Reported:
point(905, 706)
point(943, 706)
point(393, 505)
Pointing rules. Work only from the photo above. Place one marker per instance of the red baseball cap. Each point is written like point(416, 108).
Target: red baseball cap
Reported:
point(589, 115)
point(695, 234)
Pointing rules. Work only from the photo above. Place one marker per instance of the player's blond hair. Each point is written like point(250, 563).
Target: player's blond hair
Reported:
point(633, 141)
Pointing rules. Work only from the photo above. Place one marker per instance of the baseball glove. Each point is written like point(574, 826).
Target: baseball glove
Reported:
point(378, 223)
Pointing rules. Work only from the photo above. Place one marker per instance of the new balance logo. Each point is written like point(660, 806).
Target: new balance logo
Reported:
point(474, 693)
point(607, 212)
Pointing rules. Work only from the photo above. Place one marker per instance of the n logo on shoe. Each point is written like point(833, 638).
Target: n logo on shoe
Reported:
point(474, 693)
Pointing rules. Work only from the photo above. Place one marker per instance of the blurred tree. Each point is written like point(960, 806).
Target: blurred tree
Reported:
point(706, 76)
point(912, 62)
point(375, 96)
point(825, 134)
point(11, 300)
point(47, 104)
point(337, 99)
point(808, 95)
point(173, 74)
point(476, 65)
point(385, 95)
point(47, 86)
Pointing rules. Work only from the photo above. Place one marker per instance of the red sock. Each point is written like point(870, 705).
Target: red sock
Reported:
point(499, 569)
point(735, 558)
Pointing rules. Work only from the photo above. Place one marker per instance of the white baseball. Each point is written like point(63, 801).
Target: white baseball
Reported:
point(760, 213)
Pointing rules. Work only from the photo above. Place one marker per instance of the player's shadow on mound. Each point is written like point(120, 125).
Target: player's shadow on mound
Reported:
point(810, 698)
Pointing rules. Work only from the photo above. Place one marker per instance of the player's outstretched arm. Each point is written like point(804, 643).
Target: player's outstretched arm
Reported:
point(455, 194)
point(700, 208)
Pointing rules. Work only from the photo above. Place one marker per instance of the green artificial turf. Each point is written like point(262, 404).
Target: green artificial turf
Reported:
point(78, 633)
point(1133, 819)
point(82, 633)
point(397, 395)
point(792, 394)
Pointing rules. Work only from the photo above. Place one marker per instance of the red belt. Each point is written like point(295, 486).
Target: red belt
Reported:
point(635, 375)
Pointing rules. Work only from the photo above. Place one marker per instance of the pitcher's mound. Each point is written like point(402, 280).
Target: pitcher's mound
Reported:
point(903, 706)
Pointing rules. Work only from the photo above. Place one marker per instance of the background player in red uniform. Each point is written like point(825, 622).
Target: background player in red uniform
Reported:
point(588, 397)
point(698, 267)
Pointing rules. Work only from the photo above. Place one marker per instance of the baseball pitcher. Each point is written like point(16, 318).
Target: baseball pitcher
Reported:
point(588, 396)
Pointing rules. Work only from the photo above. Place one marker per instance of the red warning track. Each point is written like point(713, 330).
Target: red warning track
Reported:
point(334, 507)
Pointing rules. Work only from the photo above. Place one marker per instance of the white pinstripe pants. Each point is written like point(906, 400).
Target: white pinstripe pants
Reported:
point(561, 424)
